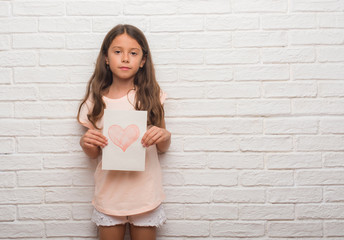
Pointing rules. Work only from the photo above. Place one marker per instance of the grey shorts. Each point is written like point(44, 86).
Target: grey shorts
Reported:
point(154, 218)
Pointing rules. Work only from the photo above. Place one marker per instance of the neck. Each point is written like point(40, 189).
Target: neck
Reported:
point(119, 88)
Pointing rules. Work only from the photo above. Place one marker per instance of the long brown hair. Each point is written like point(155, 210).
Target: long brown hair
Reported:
point(147, 88)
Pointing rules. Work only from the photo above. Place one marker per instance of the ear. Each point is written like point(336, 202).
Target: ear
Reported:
point(143, 61)
point(106, 60)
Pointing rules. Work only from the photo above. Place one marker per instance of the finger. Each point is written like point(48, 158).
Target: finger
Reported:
point(95, 140)
point(152, 137)
point(96, 136)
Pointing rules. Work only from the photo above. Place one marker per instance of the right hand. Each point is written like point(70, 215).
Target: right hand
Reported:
point(93, 138)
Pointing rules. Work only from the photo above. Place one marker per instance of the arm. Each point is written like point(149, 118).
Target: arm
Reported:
point(91, 142)
point(159, 136)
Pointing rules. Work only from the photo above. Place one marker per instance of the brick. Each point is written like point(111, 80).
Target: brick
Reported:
point(266, 178)
point(7, 145)
point(5, 75)
point(6, 109)
point(67, 58)
point(178, 57)
point(186, 228)
point(105, 24)
point(295, 229)
point(20, 162)
point(331, 89)
point(295, 195)
point(316, 37)
point(332, 20)
point(187, 194)
point(7, 213)
point(205, 74)
point(173, 178)
point(239, 195)
point(170, 40)
point(288, 55)
point(70, 229)
point(176, 24)
point(214, 178)
point(47, 144)
point(44, 212)
point(236, 56)
point(294, 160)
point(20, 230)
point(18, 25)
point(289, 21)
point(82, 212)
point(61, 128)
point(57, 92)
point(7, 180)
point(227, 144)
point(40, 75)
point(90, 8)
point(301, 125)
point(83, 178)
point(46, 110)
point(334, 194)
point(261, 73)
point(260, 39)
point(46, 178)
point(40, 41)
point(66, 161)
point(316, 6)
point(22, 196)
point(16, 127)
point(211, 212)
point(12, 93)
point(331, 125)
point(150, 8)
point(69, 195)
point(166, 74)
point(237, 229)
point(234, 90)
point(231, 22)
point(290, 89)
point(5, 42)
point(259, 6)
point(235, 161)
point(323, 211)
point(334, 229)
point(18, 59)
point(183, 161)
point(318, 71)
point(318, 106)
point(319, 177)
point(174, 211)
point(330, 54)
point(263, 107)
point(267, 212)
point(319, 143)
point(203, 6)
point(200, 108)
point(333, 159)
point(5, 9)
point(204, 40)
point(65, 24)
point(84, 41)
point(185, 91)
point(38, 8)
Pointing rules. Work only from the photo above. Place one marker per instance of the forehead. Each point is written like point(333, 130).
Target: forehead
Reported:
point(125, 41)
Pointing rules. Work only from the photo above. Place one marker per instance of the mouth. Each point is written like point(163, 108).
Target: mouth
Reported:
point(124, 68)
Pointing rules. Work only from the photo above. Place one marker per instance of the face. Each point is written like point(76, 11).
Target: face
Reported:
point(125, 57)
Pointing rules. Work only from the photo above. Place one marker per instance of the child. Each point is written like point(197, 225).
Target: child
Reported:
point(124, 79)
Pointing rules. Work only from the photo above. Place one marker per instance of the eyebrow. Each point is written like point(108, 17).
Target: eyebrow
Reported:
point(121, 47)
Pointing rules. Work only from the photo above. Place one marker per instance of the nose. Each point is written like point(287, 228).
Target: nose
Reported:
point(125, 58)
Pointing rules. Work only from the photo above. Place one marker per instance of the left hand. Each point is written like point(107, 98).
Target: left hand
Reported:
point(155, 135)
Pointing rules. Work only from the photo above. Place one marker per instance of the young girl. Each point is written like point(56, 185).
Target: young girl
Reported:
point(124, 79)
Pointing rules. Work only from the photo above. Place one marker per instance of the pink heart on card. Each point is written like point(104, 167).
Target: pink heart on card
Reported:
point(123, 138)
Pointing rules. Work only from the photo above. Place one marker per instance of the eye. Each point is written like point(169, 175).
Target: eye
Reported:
point(133, 53)
point(117, 51)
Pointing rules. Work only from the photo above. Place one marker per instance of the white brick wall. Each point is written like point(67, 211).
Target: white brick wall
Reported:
point(256, 104)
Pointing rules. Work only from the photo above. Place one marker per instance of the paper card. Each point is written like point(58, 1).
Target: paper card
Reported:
point(124, 131)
